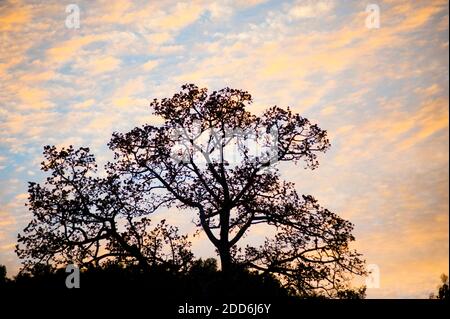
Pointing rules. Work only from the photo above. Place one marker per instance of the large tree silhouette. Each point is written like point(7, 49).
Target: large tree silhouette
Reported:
point(212, 157)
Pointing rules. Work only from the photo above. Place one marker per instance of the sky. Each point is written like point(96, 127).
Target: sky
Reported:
point(381, 92)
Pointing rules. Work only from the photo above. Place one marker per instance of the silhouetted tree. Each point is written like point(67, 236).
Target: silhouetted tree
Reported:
point(203, 159)
point(358, 293)
point(443, 291)
point(84, 219)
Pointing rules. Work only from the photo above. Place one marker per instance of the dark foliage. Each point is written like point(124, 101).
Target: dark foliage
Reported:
point(202, 281)
point(3, 278)
point(443, 291)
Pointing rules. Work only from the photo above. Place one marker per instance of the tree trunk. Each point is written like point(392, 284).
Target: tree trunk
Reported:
point(224, 246)
point(225, 259)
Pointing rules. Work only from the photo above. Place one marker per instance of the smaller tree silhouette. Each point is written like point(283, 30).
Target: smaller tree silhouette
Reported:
point(443, 291)
point(3, 278)
point(84, 219)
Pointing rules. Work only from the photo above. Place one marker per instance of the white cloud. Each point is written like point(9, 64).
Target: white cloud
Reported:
point(310, 9)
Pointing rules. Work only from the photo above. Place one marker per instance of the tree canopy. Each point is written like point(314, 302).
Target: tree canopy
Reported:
point(213, 157)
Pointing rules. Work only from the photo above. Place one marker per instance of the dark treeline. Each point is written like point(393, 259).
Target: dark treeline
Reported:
point(201, 281)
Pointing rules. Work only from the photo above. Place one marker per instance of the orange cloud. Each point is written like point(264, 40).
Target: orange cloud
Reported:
point(85, 104)
point(429, 90)
point(101, 64)
point(328, 110)
point(34, 77)
point(14, 18)
point(416, 17)
point(150, 64)
point(68, 49)
point(432, 118)
point(35, 98)
point(6, 219)
point(159, 38)
point(183, 15)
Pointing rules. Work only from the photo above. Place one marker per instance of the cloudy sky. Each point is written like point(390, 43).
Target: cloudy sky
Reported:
point(382, 94)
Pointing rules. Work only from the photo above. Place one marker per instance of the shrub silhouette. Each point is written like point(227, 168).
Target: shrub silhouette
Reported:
point(202, 281)
point(443, 291)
